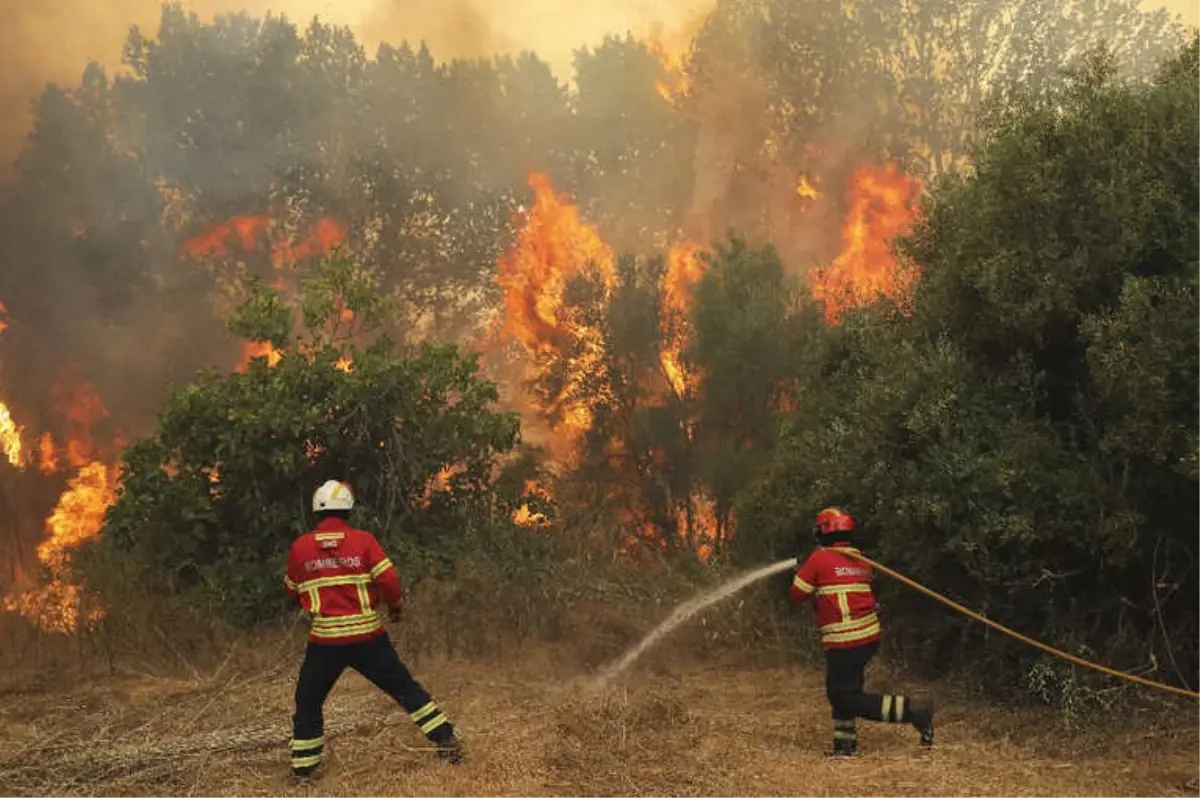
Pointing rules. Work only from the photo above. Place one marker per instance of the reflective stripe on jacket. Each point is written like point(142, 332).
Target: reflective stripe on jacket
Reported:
point(340, 575)
point(843, 601)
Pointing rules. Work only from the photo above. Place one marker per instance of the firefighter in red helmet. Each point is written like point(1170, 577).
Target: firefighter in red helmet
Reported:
point(845, 609)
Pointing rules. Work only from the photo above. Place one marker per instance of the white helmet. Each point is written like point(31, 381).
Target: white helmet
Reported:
point(333, 495)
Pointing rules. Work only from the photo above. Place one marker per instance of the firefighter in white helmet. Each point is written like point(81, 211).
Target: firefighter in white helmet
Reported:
point(340, 575)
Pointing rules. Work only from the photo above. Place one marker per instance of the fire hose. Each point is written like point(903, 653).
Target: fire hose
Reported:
point(1017, 635)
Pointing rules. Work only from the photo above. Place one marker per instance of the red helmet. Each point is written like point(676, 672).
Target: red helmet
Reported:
point(832, 520)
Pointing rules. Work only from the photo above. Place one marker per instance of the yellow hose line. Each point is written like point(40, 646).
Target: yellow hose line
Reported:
point(1027, 640)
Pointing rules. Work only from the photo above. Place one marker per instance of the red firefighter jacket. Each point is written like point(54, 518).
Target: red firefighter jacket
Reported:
point(339, 575)
point(844, 602)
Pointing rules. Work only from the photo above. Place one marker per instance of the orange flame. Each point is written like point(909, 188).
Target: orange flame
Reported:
point(523, 516)
point(10, 431)
point(702, 539)
point(882, 207)
point(674, 80)
point(439, 483)
point(78, 516)
point(325, 236)
point(253, 349)
point(47, 454)
point(806, 189)
point(10, 437)
point(685, 267)
point(247, 232)
point(82, 408)
point(554, 245)
point(704, 526)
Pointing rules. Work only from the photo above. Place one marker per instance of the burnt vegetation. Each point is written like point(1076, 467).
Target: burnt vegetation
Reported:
point(1018, 429)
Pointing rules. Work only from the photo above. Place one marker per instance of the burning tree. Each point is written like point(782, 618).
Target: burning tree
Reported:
point(658, 380)
point(592, 329)
point(53, 597)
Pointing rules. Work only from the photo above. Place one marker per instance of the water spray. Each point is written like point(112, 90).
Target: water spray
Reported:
point(690, 608)
point(687, 610)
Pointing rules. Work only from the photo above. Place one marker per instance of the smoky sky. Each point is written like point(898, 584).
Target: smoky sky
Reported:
point(52, 40)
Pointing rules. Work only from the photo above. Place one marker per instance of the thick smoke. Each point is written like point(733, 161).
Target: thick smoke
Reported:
point(51, 41)
point(553, 30)
point(45, 41)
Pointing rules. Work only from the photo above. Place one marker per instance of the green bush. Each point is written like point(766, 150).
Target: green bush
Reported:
point(1026, 440)
point(208, 505)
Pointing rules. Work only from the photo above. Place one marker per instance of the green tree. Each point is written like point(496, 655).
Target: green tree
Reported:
point(208, 505)
point(743, 334)
point(1026, 439)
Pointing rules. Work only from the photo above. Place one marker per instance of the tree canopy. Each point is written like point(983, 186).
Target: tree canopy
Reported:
point(1026, 438)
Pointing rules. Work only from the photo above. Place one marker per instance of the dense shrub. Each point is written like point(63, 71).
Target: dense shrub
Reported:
point(208, 505)
point(1026, 439)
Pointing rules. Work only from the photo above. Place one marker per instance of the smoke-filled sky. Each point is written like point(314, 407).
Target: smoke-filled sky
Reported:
point(52, 40)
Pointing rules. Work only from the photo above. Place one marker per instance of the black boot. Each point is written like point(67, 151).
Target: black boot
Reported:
point(845, 739)
point(450, 750)
point(920, 715)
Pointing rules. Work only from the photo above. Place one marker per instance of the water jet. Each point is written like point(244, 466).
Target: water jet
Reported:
point(686, 610)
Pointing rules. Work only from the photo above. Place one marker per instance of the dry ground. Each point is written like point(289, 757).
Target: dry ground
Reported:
point(535, 727)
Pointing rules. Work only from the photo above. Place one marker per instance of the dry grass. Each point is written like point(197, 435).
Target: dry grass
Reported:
point(534, 727)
